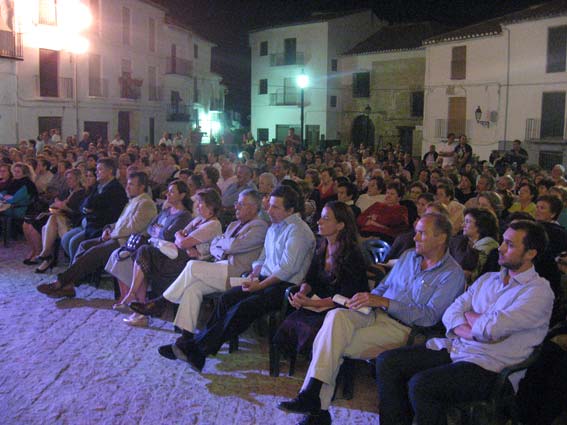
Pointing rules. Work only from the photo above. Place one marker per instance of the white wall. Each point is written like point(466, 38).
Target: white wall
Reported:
point(21, 120)
point(319, 42)
point(483, 86)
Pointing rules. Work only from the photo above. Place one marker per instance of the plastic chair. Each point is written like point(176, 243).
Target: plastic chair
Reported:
point(500, 407)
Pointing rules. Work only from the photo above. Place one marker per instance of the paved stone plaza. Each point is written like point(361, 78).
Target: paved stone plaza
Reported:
point(75, 362)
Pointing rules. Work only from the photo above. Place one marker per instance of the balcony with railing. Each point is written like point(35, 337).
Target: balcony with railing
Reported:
point(130, 88)
point(60, 88)
point(217, 105)
point(98, 87)
point(288, 98)
point(445, 126)
point(178, 112)
point(178, 66)
point(548, 130)
point(155, 92)
point(47, 12)
point(282, 59)
point(11, 45)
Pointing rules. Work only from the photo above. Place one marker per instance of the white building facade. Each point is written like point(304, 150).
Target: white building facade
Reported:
point(141, 75)
point(279, 54)
point(511, 70)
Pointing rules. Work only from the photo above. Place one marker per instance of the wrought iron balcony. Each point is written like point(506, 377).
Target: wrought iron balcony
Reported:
point(61, 88)
point(11, 45)
point(178, 112)
point(281, 59)
point(178, 66)
point(98, 87)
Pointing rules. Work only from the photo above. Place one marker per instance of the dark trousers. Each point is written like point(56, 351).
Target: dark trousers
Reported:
point(422, 382)
point(236, 311)
point(91, 255)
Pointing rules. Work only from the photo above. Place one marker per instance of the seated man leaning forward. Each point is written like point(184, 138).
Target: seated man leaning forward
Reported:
point(284, 261)
point(234, 253)
point(495, 324)
point(94, 253)
point(422, 284)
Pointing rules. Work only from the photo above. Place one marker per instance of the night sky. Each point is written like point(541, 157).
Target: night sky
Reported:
point(227, 22)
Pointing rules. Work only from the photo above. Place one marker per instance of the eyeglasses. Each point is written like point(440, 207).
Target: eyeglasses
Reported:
point(241, 204)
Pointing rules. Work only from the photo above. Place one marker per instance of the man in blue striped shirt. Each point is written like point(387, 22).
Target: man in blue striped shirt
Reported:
point(422, 284)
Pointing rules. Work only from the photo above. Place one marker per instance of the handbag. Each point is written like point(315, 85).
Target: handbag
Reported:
point(135, 241)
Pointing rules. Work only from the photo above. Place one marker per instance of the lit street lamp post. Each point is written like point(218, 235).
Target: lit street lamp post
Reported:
point(302, 82)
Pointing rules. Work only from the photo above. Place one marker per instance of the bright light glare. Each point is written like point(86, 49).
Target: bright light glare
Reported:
point(77, 45)
point(302, 81)
point(215, 127)
point(73, 16)
point(46, 37)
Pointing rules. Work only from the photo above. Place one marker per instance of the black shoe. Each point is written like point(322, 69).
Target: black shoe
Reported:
point(322, 417)
point(48, 264)
point(303, 403)
point(31, 262)
point(154, 308)
point(167, 352)
point(195, 358)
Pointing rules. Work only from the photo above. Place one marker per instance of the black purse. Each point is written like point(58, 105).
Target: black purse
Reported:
point(135, 241)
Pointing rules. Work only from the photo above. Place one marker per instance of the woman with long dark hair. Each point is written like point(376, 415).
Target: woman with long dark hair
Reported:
point(337, 267)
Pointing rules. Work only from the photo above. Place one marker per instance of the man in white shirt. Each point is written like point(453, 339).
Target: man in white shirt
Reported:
point(495, 324)
point(117, 141)
point(447, 151)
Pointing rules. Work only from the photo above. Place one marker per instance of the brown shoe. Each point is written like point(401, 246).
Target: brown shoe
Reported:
point(154, 308)
point(55, 290)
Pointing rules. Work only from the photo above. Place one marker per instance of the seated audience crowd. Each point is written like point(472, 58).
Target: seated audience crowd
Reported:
point(472, 249)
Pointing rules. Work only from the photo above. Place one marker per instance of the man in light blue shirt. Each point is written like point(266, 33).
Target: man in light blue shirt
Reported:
point(287, 253)
point(422, 284)
point(495, 324)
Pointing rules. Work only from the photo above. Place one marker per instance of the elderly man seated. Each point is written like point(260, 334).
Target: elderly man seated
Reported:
point(233, 251)
point(94, 253)
point(284, 262)
point(422, 284)
point(495, 324)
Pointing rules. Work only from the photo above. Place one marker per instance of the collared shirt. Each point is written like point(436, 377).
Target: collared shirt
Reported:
point(419, 297)
point(288, 250)
point(514, 318)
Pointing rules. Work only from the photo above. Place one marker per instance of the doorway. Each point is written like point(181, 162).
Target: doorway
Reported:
point(124, 125)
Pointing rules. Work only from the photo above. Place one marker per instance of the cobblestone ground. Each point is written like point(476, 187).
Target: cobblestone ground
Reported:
point(75, 362)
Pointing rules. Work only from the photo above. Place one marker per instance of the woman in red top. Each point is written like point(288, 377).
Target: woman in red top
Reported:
point(327, 187)
point(385, 219)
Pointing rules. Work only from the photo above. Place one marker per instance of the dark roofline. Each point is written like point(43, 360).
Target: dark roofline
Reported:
point(397, 38)
point(492, 27)
point(170, 20)
point(316, 17)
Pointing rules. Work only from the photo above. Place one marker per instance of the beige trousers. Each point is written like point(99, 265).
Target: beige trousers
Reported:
point(197, 279)
point(348, 333)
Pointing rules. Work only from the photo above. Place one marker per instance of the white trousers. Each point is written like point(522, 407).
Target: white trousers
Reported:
point(197, 279)
point(348, 333)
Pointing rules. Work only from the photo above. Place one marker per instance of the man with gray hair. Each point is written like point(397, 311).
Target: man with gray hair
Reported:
point(234, 252)
point(422, 284)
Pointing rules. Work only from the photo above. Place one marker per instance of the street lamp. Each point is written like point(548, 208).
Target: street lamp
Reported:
point(367, 112)
point(302, 82)
point(478, 116)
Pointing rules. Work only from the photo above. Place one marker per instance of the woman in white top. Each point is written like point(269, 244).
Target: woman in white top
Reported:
point(374, 194)
point(193, 242)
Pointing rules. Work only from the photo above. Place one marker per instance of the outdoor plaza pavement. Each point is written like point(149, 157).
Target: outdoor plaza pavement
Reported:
point(73, 361)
